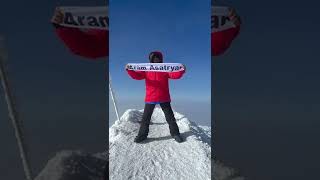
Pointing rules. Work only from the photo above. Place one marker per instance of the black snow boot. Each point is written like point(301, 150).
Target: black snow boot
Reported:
point(178, 138)
point(140, 138)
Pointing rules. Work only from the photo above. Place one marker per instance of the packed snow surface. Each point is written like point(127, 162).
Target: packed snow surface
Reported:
point(159, 157)
point(75, 165)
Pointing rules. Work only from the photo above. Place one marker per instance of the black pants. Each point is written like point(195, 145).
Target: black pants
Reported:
point(148, 110)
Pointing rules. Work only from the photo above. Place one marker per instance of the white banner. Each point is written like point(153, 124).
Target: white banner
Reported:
point(85, 17)
point(158, 67)
point(220, 19)
point(97, 17)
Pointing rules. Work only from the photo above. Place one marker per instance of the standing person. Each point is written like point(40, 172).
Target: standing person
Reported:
point(157, 92)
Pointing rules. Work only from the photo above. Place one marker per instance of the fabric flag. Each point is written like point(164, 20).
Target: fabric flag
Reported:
point(220, 19)
point(156, 67)
point(85, 17)
point(84, 30)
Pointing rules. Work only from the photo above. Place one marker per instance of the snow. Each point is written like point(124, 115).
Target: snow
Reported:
point(74, 165)
point(158, 158)
point(221, 172)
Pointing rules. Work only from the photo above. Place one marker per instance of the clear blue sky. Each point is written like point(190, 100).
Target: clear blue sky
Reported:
point(180, 30)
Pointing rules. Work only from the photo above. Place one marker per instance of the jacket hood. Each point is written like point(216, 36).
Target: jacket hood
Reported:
point(155, 54)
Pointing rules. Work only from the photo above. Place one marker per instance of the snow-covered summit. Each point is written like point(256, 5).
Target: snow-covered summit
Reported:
point(160, 157)
point(75, 165)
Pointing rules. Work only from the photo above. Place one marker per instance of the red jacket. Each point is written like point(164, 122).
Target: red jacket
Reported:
point(92, 43)
point(157, 84)
point(221, 41)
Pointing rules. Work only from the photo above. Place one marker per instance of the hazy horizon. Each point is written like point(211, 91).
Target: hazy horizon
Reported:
point(196, 111)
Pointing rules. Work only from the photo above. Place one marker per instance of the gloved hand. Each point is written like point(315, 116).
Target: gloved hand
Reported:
point(57, 17)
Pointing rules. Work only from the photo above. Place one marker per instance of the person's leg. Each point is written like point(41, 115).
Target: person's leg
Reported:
point(166, 108)
point(147, 113)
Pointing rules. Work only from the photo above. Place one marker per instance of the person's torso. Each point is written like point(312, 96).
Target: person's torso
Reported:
point(157, 86)
point(221, 41)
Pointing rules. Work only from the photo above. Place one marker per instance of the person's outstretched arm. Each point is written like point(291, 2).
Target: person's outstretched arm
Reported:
point(137, 75)
point(91, 44)
point(177, 75)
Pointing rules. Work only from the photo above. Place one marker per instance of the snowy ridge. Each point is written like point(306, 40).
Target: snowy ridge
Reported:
point(160, 157)
point(221, 172)
point(75, 165)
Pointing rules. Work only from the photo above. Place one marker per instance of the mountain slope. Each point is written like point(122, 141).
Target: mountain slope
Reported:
point(160, 157)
